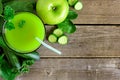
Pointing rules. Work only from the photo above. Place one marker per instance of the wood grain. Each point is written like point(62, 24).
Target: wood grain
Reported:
point(88, 41)
point(74, 69)
point(88, 53)
point(99, 12)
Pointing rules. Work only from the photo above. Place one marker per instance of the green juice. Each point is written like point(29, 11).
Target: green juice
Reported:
point(22, 38)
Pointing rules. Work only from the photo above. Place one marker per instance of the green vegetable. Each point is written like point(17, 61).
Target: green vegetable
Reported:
point(1, 7)
point(67, 26)
point(1, 23)
point(21, 23)
point(31, 55)
point(78, 6)
point(28, 62)
point(8, 13)
point(72, 15)
point(21, 5)
point(15, 67)
point(72, 2)
point(26, 66)
point(2, 44)
point(52, 38)
point(6, 71)
point(9, 25)
point(25, 69)
point(58, 32)
point(1, 50)
point(63, 40)
point(4, 1)
point(12, 58)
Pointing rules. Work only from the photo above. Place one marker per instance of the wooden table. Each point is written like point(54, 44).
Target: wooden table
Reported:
point(93, 51)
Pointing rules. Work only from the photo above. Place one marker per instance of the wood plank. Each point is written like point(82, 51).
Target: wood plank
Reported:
point(74, 69)
point(99, 12)
point(88, 41)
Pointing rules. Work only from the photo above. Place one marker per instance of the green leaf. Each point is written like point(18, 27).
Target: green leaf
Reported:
point(30, 62)
point(4, 1)
point(1, 50)
point(31, 55)
point(1, 24)
point(1, 7)
point(21, 23)
point(67, 26)
point(6, 71)
point(1, 58)
point(2, 44)
point(8, 13)
point(9, 25)
point(72, 2)
point(72, 15)
point(21, 5)
point(26, 65)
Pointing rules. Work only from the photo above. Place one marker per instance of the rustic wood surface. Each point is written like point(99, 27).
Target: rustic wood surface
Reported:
point(88, 41)
point(74, 69)
point(93, 51)
point(99, 12)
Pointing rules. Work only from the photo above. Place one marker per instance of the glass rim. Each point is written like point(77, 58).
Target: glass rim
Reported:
point(14, 49)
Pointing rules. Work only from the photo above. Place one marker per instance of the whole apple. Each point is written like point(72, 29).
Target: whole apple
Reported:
point(52, 11)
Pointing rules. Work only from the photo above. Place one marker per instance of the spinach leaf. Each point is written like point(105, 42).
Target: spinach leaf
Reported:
point(72, 15)
point(21, 5)
point(67, 26)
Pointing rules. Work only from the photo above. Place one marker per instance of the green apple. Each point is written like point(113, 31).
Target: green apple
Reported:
point(52, 11)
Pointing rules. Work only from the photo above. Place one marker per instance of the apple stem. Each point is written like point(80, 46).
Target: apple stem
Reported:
point(48, 46)
point(54, 8)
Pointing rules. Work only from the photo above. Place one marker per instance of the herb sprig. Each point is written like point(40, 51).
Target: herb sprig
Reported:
point(8, 13)
point(67, 25)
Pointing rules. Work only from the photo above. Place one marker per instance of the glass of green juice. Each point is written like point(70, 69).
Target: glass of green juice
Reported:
point(21, 38)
